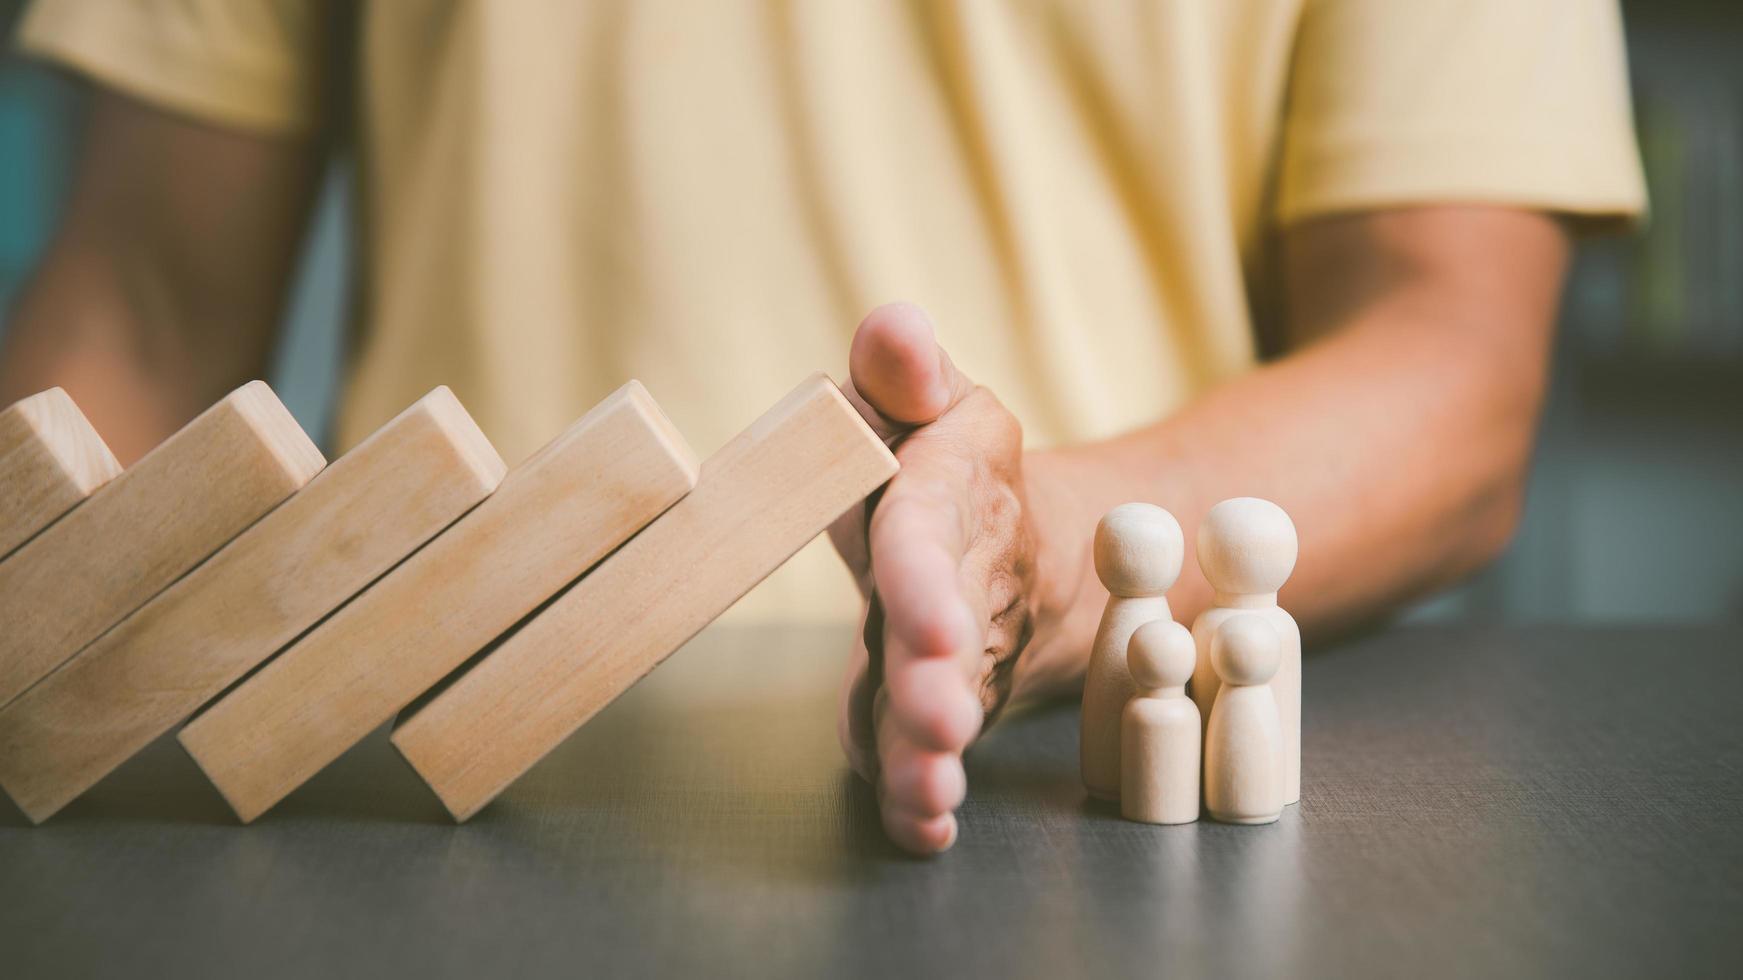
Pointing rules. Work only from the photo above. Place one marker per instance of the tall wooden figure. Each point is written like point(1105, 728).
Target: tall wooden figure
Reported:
point(1246, 549)
point(1243, 744)
point(1138, 551)
point(1160, 734)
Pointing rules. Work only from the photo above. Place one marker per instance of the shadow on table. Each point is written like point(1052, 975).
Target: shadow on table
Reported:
point(162, 785)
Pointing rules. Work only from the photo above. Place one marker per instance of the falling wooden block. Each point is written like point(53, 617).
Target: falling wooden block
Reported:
point(50, 459)
point(352, 523)
point(142, 531)
point(556, 514)
point(760, 498)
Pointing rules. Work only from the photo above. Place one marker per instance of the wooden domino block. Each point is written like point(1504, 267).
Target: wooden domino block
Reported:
point(105, 558)
point(760, 498)
point(554, 515)
point(352, 523)
point(50, 459)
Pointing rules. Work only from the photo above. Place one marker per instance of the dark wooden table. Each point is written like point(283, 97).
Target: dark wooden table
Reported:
point(1542, 802)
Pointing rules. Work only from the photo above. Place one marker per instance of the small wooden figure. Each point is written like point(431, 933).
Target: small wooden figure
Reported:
point(1159, 733)
point(1246, 549)
point(1243, 745)
point(1138, 551)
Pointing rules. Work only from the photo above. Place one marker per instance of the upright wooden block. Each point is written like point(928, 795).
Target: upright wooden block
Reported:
point(148, 526)
point(50, 459)
point(759, 499)
point(352, 523)
point(555, 515)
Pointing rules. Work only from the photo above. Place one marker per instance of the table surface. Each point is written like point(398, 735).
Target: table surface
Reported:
point(1476, 802)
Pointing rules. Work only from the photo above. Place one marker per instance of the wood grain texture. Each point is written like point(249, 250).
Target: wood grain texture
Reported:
point(555, 515)
point(759, 499)
point(1480, 802)
point(142, 531)
point(356, 519)
point(50, 460)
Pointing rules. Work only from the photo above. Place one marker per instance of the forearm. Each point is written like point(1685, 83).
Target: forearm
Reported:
point(132, 370)
point(163, 284)
point(1399, 454)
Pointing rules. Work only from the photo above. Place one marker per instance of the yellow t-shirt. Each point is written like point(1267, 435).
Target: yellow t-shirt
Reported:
point(557, 197)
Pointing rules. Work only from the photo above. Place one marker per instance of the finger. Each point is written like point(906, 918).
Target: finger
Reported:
point(919, 781)
point(899, 372)
point(932, 636)
point(919, 835)
point(918, 539)
point(932, 703)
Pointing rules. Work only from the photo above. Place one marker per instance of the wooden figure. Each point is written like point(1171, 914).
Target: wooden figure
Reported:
point(1159, 733)
point(556, 514)
point(353, 522)
point(145, 528)
point(1247, 549)
point(759, 499)
point(50, 460)
point(1243, 743)
point(1138, 550)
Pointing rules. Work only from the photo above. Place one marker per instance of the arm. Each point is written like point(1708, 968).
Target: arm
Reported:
point(1397, 432)
point(1397, 436)
point(162, 287)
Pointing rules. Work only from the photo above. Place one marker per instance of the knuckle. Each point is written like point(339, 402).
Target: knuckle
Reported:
point(1001, 505)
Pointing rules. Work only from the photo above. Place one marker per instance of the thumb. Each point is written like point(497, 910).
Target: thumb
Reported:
point(901, 377)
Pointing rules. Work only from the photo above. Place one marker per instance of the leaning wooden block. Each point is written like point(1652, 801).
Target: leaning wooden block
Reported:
point(50, 459)
point(759, 499)
point(367, 511)
point(197, 490)
point(554, 515)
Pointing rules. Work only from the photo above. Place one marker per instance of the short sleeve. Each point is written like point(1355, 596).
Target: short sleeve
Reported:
point(1512, 102)
point(253, 64)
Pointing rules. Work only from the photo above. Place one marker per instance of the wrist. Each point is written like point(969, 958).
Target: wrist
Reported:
point(1063, 521)
point(1062, 546)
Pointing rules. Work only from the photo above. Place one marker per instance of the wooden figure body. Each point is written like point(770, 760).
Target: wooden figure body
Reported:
point(1247, 549)
point(1138, 551)
point(1159, 731)
point(1243, 743)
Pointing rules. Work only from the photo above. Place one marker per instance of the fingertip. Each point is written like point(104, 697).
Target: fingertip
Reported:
point(920, 836)
point(950, 831)
point(897, 365)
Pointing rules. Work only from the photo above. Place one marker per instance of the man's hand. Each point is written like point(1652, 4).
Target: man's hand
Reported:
point(954, 552)
point(1397, 436)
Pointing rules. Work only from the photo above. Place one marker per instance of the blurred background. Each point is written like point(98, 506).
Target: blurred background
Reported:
point(1636, 509)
